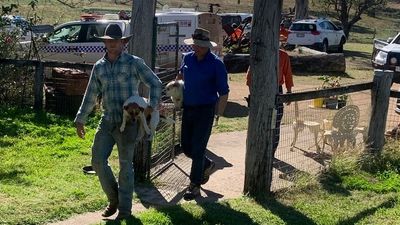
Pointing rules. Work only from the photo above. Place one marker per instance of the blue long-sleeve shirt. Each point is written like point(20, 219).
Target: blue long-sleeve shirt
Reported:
point(116, 82)
point(205, 80)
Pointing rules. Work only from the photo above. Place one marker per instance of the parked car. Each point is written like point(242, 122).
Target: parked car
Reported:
point(386, 54)
point(320, 34)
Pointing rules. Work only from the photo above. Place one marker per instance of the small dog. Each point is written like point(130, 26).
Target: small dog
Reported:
point(174, 89)
point(134, 110)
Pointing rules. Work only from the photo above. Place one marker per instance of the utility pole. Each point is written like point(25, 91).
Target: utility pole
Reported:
point(262, 113)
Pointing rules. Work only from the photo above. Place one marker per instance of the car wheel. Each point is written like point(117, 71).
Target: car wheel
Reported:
point(340, 47)
point(324, 46)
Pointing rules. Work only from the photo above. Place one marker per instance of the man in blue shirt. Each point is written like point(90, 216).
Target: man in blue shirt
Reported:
point(115, 78)
point(206, 84)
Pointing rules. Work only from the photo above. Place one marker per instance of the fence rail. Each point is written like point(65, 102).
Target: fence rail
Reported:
point(307, 95)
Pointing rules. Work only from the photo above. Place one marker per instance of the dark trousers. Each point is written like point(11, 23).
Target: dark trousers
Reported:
point(279, 115)
point(197, 123)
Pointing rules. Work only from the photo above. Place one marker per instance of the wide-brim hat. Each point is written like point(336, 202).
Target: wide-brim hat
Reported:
point(200, 37)
point(113, 32)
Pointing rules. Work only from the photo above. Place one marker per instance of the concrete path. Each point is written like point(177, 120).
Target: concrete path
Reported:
point(228, 151)
point(226, 182)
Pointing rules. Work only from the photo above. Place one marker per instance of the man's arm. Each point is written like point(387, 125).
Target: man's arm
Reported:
point(223, 100)
point(80, 129)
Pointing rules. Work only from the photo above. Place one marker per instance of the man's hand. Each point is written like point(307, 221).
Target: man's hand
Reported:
point(216, 120)
point(80, 130)
point(147, 111)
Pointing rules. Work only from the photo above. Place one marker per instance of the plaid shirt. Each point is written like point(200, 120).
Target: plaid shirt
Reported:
point(116, 82)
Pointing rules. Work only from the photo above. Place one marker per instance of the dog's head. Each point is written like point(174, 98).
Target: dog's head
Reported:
point(133, 110)
point(174, 88)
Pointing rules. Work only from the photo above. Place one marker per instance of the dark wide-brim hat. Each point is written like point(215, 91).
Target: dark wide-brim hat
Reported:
point(200, 37)
point(113, 32)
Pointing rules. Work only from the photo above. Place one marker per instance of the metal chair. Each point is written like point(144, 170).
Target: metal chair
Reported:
point(342, 129)
point(299, 125)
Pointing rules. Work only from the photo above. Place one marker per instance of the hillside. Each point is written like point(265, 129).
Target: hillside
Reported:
point(383, 25)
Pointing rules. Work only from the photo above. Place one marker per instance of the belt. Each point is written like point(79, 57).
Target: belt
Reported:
point(205, 106)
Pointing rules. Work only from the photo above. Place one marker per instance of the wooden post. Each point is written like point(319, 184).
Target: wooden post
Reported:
point(38, 88)
point(264, 66)
point(142, 18)
point(379, 105)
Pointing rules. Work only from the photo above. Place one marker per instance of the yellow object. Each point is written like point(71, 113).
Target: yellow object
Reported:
point(318, 102)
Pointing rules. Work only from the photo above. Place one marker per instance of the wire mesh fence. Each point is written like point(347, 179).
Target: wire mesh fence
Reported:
point(393, 117)
point(309, 130)
point(16, 85)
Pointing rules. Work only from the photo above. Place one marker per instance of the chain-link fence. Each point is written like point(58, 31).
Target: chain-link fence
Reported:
point(313, 131)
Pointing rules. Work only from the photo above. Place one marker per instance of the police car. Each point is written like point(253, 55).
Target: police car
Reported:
point(386, 54)
point(76, 41)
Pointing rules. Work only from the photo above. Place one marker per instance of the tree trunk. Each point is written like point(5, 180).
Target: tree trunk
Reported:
point(264, 65)
point(301, 9)
point(141, 43)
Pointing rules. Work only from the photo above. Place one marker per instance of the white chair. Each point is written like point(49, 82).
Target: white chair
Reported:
point(299, 125)
point(343, 128)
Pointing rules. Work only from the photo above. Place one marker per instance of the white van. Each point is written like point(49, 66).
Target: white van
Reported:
point(187, 21)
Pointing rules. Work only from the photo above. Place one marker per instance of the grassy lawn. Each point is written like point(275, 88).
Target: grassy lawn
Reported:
point(40, 169)
point(41, 181)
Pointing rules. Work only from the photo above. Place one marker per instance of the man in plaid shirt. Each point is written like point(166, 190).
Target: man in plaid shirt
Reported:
point(115, 78)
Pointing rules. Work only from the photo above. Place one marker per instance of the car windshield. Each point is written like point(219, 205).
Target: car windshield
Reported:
point(303, 27)
point(397, 40)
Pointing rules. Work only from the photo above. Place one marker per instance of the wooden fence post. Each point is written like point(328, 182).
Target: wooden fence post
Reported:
point(379, 106)
point(38, 88)
point(141, 44)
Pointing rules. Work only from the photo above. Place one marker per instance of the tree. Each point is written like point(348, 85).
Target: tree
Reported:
point(349, 12)
point(141, 44)
point(264, 66)
point(301, 9)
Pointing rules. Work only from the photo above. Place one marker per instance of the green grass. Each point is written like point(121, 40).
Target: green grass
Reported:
point(345, 194)
point(40, 170)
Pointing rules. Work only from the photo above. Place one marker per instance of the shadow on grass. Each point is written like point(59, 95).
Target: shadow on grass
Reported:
point(214, 213)
point(332, 183)
point(14, 176)
point(286, 213)
point(129, 221)
point(361, 30)
point(234, 109)
point(349, 53)
point(368, 212)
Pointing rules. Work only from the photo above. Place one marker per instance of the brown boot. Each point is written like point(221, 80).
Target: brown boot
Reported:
point(110, 210)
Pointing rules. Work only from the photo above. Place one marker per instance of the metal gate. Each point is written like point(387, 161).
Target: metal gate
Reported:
point(167, 138)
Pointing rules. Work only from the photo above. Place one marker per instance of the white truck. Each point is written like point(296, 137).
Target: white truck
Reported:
point(386, 55)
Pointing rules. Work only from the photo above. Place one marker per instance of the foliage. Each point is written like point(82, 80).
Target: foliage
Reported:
point(377, 173)
point(329, 81)
point(349, 12)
